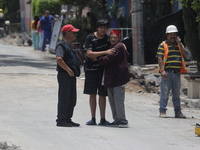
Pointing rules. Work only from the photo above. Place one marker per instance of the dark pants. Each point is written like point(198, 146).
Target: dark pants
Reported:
point(46, 35)
point(66, 97)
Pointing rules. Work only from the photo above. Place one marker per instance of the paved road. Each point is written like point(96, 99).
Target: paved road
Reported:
point(28, 101)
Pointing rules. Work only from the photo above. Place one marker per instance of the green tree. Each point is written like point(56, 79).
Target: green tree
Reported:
point(33, 6)
point(98, 7)
point(191, 18)
point(13, 14)
point(39, 6)
point(2, 4)
point(78, 3)
point(192, 29)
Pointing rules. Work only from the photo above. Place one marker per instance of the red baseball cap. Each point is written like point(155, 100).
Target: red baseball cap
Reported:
point(69, 27)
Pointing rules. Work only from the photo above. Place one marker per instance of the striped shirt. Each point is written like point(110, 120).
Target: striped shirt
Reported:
point(174, 57)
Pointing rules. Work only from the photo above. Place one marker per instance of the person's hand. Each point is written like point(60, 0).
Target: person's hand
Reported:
point(93, 58)
point(110, 51)
point(164, 75)
point(178, 40)
point(70, 72)
point(36, 32)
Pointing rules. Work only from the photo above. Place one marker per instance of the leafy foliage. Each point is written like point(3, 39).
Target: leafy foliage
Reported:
point(33, 6)
point(39, 6)
point(193, 4)
point(79, 23)
point(2, 4)
point(97, 7)
point(113, 11)
point(13, 14)
point(191, 18)
point(13, 6)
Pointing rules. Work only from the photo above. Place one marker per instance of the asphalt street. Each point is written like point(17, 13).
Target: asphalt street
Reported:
point(28, 108)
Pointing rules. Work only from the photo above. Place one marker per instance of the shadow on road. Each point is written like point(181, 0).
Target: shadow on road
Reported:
point(47, 62)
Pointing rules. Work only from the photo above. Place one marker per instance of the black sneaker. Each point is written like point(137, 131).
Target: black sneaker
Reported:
point(91, 122)
point(74, 124)
point(64, 124)
point(180, 115)
point(105, 123)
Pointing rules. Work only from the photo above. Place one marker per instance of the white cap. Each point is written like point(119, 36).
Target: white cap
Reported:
point(63, 11)
point(171, 29)
point(7, 22)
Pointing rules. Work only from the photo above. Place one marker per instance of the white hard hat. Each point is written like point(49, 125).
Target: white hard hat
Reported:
point(171, 29)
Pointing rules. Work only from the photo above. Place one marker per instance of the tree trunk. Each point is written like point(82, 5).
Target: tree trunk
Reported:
point(192, 33)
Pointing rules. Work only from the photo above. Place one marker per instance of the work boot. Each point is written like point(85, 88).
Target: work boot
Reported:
point(163, 115)
point(180, 115)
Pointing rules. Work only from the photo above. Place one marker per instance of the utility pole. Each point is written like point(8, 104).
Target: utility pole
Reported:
point(137, 33)
point(22, 15)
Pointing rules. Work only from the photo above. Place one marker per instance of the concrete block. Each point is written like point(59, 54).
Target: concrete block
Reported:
point(193, 89)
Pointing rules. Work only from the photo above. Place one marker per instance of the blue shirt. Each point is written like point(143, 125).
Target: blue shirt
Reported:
point(46, 22)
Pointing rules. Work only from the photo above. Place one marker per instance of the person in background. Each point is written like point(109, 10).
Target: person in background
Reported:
point(68, 68)
point(116, 75)
point(71, 14)
point(171, 54)
point(35, 36)
point(96, 44)
point(46, 23)
point(90, 23)
point(39, 32)
point(64, 17)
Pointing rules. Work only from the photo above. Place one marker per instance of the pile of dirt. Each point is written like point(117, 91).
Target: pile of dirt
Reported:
point(148, 81)
point(5, 146)
point(14, 39)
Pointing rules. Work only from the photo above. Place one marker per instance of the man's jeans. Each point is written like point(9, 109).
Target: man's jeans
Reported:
point(173, 82)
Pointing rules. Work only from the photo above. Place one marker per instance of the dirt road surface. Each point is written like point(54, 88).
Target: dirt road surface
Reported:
point(28, 108)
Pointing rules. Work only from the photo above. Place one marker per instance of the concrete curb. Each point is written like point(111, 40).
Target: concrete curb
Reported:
point(195, 103)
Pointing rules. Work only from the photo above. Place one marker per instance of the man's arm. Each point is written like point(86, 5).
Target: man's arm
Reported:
point(162, 67)
point(92, 54)
point(38, 27)
point(160, 63)
point(184, 51)
point(120, 50)
point(62, 64)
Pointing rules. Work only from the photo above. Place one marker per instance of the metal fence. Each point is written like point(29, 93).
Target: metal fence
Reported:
point(13, 28)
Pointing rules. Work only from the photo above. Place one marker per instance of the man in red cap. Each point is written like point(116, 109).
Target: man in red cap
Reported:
point(68, 68)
